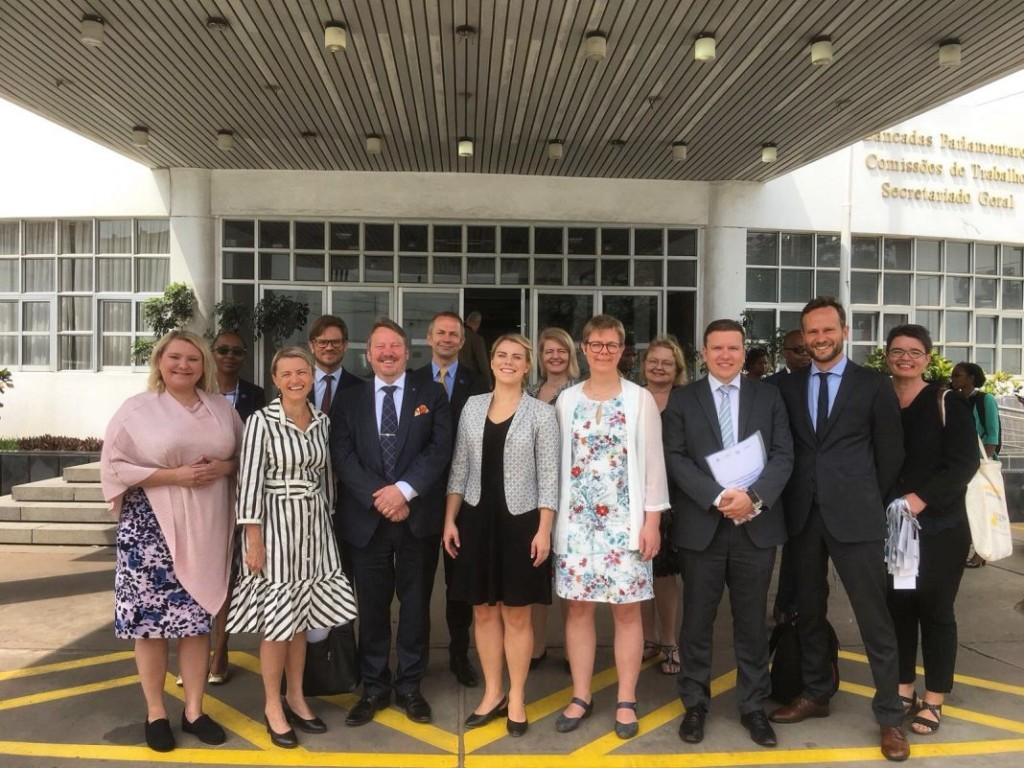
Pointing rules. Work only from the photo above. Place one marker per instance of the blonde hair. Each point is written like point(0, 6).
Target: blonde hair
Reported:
point(604, 323)
point(523, 342)
point(562, 339)
point(291, 352)
point(207, 382)
point(668, 342)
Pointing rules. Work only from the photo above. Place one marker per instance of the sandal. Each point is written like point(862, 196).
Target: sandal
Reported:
point(974, 561)
point(670, 660)
point(929, 726)
point(909, 703)
point(651, 649)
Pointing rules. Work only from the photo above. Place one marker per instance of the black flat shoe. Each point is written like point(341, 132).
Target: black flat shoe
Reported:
point(761, 731)
point(159, 737)
point(477, 720)
point(286, 740)
point(566, 724)
point(366, 708)
point(691, 730)
point(313, 725)
point(516, 728)
point(626, 730)
point(204, 729)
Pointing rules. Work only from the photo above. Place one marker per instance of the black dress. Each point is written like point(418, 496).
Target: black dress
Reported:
point(494, 564)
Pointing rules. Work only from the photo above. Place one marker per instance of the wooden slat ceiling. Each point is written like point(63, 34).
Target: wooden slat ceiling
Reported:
point(518, 82)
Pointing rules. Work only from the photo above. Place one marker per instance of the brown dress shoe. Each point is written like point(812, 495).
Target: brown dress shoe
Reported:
point(799, 710)
point(895, 746)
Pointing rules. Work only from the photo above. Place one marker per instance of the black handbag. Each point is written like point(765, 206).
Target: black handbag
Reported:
point(332, 665)
point(784, 650)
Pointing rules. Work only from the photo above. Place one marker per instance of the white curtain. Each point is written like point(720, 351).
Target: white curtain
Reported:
point(114, 275)
point(76, 274)
point(116, 236)
point(75, 353)
point(9, 237)
point(76, 237)
point(152, 275)
point(75, 313)
point(9, 274)
point(38, 275)
point(39, 237)
point(154, 236)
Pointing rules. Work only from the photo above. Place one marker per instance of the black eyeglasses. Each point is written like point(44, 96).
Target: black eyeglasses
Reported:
point(913, 354)
point(234, 351)
point(611, 347)
point(329, 343)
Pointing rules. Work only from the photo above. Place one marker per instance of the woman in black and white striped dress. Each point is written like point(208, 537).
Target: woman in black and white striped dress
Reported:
point(291, 580)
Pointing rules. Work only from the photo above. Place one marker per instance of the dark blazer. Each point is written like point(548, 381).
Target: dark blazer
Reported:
point(851, 470)
point(346, 380)
point(691, 432)
point(467, 383)
point(250, 399)
point(424, 450)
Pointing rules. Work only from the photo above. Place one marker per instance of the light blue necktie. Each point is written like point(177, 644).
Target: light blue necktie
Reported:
point(725, 417)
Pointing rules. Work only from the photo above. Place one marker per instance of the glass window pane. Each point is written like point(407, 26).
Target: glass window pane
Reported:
point(827, 283)
point(1012, 330)
point(8, 350)
point(958, 326)
point(115, 236)
point(309, 235)
point(39, 236)
point(379, 269)
point(647, 242)
point(8, 316)
point(1013, 260)
point(762, 284)
point(412, 238)
point(762, 248)
point(447, 269)
point(75, 353)
point(75, 313)
point(115, 316)
point(932, 320)
point(515, 271)
point(891, 321)
point(547, 271)
point(681, 320)
point(344, 268)
point(897, 288)
point(515, 239)
point(239, 233)
point(796, 284)
point(35, 350)
point(548, 240)
point(984, 329)
point(244, 295)
point(929, 256)
point(896, 254)
point(412, 269)
point(153, 274)
point(614, 272)
point(76, 237)
point(9, 275)
point(789, 320)
point(480, 270)
point(154, 236)
point(958, 256)
point(929, 290)
point(647, 273)
point(309, 266)
point(275, 266)
point(796, 250)
point(9, 238)
point(38, 275)
point(637, 313)
point(115, 350)
point(142, 325)
point(860, 353)
point(614, 241)
point(116, 274)
point(762, 324)
point(418, 309)
point(1013, 294)
point(35, 316)
point(986, 292)
point(582, 241)
point(682, 273)
point(481, 239)
point(344, 236)
point(582, 271)
point(1011, 361)
point(828, 251)
point(237, 265)
point(361, 309)
point(958, 354)
point(986, 358)
point(864, 287)
point(865, 253)
point(864, 326)
point(75, 274)
point(274, 234)
point(958, 292)
point(985, 259)
point(682, 242)
point(448, 238)
point(379, 237)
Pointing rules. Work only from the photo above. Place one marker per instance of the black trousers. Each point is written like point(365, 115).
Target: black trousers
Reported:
point(785, 598)
point(459, 616)
point(861, 567)
point(394, 562)
point(930, 607)
point(730, 559)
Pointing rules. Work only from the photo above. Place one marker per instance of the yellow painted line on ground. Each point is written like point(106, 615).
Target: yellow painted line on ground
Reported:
point(67, 693)
point(656, 719)
point(230, 718)
point(220, 756)
point(974, 682)
point(61, 666)
point(495, 730)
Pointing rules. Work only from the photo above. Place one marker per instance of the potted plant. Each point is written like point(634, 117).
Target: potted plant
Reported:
point(165, 313)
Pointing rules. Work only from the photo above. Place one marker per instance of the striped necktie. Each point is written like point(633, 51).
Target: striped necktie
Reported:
point(725, 416)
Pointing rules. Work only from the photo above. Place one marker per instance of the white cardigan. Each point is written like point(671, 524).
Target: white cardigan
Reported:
point(647, 483)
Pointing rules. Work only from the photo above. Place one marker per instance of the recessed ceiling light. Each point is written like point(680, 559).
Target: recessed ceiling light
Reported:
point(465, 31)
point(704, 48)
point(217, 22)
point(595, 45)
point(140, 135)
point(91, 30)
point(679, 150)
point(374, 144)
point(949, 53)
point(821, 52)
point(769, 153)
point(555, 148)
point(225, 140)
point(465, 147)
point(335, 36)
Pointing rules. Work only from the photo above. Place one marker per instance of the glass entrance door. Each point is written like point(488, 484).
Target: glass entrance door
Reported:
point(568, 310)
point(360, 309)
point(416, 309)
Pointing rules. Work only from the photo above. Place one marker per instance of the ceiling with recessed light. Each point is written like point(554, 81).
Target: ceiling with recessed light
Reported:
point(165, 82)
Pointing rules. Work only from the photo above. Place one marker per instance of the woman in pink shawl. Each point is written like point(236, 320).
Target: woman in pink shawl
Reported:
point(168, 462)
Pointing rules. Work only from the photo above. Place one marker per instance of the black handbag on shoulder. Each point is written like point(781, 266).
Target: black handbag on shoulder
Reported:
point(332, 665)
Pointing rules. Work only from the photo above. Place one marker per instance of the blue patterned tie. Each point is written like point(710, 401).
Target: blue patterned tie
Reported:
point(389, 433)
point(725, 417)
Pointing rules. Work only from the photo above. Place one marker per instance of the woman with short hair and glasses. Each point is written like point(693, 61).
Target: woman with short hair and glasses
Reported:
point(613, 490)
point(941, 456)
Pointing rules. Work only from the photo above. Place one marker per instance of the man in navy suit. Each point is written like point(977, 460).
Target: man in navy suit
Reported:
point(328, 342)
point(391, 443)
point(445, 337)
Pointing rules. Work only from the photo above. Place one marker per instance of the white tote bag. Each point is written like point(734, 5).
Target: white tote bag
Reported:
point(986, 511)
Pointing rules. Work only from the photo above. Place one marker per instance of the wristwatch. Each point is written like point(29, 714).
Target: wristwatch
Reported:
point(756, 501)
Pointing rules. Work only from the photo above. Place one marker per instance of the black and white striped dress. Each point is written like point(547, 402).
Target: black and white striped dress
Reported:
point(286, 484)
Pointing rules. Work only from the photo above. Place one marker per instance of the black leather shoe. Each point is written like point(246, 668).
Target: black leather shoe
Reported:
point(464, 671)
point(691, 730)
point(566, 724)
point(366, 707)
point(204, 729)
point(516, 728)
point(313, 725)
point(761, 731)
point(286, 740)
point(159, 737)
point(416, 707)
point(476, 720)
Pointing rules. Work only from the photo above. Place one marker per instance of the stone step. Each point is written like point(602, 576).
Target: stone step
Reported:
point(81, 534)
point(57, 489)
point(55, 511)
point(83, 473)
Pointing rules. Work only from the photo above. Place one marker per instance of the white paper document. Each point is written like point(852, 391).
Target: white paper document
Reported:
point(740, 465)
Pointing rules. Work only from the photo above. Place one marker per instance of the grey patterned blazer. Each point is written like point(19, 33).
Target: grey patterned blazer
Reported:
point(532, 452)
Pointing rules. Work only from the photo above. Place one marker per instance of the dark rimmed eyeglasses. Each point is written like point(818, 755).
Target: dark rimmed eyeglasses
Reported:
point(611, 347)
point(913, 354)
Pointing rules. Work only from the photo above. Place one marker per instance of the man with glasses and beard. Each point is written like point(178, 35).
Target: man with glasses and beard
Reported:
point(328, 341)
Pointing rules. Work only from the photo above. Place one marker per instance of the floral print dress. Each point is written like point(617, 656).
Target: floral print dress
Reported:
point(598, 565)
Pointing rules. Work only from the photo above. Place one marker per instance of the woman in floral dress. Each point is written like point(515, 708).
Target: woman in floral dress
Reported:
point(613, 490)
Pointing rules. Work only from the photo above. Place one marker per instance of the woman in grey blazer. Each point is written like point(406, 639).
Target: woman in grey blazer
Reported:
point(502, 491)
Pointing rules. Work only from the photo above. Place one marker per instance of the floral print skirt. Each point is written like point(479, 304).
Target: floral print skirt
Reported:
point(149, 602)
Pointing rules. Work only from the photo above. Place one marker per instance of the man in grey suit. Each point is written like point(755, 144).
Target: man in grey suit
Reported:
point(725, 535)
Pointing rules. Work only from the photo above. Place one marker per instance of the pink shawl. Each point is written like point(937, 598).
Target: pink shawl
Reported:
point(154, 431)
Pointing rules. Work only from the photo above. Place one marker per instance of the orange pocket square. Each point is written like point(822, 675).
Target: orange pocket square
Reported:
point(420, 410)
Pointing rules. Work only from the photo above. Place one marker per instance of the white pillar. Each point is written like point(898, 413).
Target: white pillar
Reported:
point(193, 248)
point(724, 280)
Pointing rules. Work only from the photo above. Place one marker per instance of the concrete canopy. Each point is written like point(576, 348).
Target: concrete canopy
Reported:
point(509, 74)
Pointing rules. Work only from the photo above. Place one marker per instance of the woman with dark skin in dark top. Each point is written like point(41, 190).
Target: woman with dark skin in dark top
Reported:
point(942, 456)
